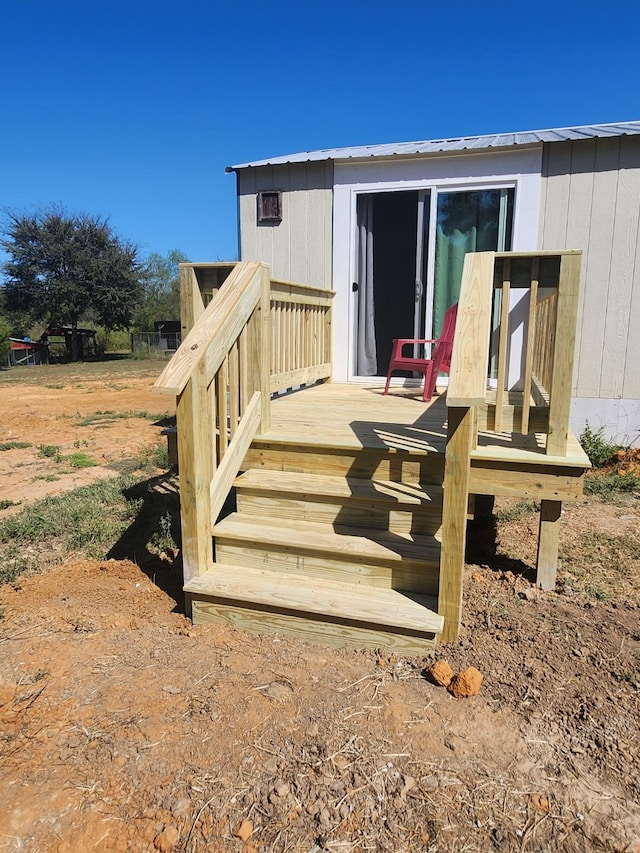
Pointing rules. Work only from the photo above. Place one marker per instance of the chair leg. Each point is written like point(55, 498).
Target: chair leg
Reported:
point(429, 385)
point(386, 387)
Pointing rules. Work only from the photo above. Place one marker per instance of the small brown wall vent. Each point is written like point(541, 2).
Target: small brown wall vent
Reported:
point(270, 206)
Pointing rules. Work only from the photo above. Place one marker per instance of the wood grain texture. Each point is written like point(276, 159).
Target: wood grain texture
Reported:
point(548, 538)
point(503, 339)
point(386, 608)
point(217, 329)
point(339, 634)
point(191, 303)
point(530, 343)
point(454, 520)
point(564, 346)
point(468, 374)
point(229, 466)
point(194, 459)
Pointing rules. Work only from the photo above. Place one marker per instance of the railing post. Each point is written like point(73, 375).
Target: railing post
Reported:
point(460, 433)
point(564, 346)
point(264, 348)
point(195, 465)
point(191, 302)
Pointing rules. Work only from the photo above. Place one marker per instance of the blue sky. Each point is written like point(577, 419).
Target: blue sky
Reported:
point(132, 111)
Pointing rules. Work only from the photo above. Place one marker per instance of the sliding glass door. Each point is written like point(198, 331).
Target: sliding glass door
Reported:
point(410, 249)
point(466, 221)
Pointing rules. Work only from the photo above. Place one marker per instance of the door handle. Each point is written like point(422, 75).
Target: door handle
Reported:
point(354, 286)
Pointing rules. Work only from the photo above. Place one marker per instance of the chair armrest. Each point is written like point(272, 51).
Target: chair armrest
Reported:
point(403, 341)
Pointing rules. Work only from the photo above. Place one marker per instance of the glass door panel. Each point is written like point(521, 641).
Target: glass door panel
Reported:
point(467, 221)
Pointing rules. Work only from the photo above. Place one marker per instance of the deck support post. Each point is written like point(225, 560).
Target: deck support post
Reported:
point(195, 458)
point(547, 562)
point(454, 518)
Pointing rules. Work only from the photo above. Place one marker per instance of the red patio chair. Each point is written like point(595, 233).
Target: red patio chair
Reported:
point(440, 360)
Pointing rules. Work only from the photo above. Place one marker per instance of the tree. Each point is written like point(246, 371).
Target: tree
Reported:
point(64, 267)
point(161, 300)
point(4, 341)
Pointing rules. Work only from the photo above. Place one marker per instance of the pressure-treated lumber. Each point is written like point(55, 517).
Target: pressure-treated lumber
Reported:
point(219, 327)
point(505, 299)
point(511, 479)
point(195, 461)
point(191, 302)
point(564, 346)
point(386, 608)
point(369, 558)
point(468, 374)
point(341, 501)
point(454, 519)
point(530, 344)
point(264, 351)
point(340, 633)
point(547, 561)
point(228, 468)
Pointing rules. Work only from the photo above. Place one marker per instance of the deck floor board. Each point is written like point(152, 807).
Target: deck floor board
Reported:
point(361, 416)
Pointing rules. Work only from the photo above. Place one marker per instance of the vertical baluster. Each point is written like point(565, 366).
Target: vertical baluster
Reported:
point(234, 389)
point(531, 337)
point(222, 390)
point(504, 337)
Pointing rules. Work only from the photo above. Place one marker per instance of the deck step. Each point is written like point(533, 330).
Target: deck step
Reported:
point(376, 558)
point(399, 464)
point(315, 609)
point(343, 502)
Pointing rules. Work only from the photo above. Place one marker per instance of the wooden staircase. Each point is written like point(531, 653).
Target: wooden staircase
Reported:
point(351, 512)
point(336, 558)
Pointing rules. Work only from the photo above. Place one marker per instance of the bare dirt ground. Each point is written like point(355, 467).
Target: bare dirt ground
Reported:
point(125, 728)
point(53, 414)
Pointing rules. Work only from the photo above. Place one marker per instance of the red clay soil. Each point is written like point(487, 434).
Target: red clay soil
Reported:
point(125, 728)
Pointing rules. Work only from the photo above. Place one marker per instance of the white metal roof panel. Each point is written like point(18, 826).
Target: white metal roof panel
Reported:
point(464, 143)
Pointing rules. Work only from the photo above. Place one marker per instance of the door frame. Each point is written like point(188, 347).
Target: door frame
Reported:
point(519, 169)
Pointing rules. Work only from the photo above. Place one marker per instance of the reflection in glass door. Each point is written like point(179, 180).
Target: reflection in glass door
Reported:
point(410, 248)
point(467, 221)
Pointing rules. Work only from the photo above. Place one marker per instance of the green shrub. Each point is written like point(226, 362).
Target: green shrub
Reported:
point(607, 485)
point(598, 448)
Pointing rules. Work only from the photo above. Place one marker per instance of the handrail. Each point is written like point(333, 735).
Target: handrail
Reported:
point(245, 337)
point(214, 330)
point(220, 376)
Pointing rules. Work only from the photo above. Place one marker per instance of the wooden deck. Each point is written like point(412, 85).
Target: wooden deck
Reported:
point(352, 505)
point(352, 416)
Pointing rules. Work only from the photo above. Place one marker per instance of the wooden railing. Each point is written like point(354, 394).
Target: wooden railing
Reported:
point(223, 376)
point(301, 334)
point(552, 279)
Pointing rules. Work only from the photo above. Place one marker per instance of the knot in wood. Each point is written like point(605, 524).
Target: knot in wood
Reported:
point(194, 346)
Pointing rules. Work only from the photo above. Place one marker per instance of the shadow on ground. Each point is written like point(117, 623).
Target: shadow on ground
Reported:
point(156, 524)
point(482, 548)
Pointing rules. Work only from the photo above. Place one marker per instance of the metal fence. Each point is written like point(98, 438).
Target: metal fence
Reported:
point(149, 342)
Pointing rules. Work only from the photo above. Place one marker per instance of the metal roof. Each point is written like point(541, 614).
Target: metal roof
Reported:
point(464, 143)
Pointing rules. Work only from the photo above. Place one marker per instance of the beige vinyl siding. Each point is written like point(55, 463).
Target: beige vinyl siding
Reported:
point(298, 248)
point(591, 201)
